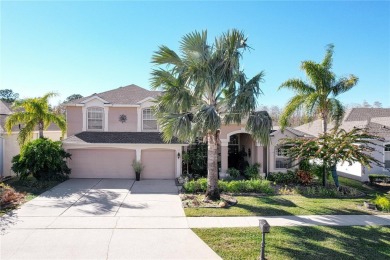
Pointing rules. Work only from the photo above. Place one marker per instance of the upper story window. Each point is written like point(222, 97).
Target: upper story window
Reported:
point(95, 118)
point(149, 122)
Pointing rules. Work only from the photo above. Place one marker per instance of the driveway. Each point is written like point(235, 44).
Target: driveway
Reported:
point(103, 219)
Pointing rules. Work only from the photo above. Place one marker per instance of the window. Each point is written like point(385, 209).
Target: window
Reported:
point(282, 158)
point(95, 118)
point(149, 122)
point(233, 144)
point(387, 156)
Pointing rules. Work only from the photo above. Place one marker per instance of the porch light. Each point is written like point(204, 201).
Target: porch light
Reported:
point(265, 228)
point(178, 155)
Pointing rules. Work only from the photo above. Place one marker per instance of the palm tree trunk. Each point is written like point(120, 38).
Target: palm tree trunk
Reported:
point(212, 192)
point(324, 129)
point(40, 129)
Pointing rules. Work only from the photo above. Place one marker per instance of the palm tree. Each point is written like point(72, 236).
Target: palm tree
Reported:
point(32, 113)
point(203, 88)
point(317, 98)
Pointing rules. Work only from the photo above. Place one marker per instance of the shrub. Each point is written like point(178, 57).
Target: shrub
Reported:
point(252, 171)
point(44, 159)
point(382, 203)
point(304, 177)
point(9, 198)
point(282, 178)
point(255, 186)
point(233, 172)
point(378, 177)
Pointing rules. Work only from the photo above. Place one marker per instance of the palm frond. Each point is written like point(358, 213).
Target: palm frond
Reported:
point(336, 111)
point(344, 84)
point(293, 105)
point(328, 59)
point(259, 125)
point(297, 85)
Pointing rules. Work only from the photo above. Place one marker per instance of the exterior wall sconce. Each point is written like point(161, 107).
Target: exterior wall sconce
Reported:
point(265, 228)
point(178, 155)
point(249, 152)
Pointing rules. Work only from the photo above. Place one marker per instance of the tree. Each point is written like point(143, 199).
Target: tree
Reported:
point(8, 95)
point(32, 113)
point(318, 97)
point(44, 159)
point(338, 146)
point(203, 88)
point(73, 97)
point(377, 104)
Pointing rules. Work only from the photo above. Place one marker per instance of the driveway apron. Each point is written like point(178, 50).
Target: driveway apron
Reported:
point(102, 219)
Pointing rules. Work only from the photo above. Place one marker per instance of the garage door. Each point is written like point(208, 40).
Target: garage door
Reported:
point(102, 163)
point(159, 164)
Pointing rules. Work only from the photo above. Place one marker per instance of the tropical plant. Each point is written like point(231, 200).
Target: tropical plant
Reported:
point(338, 146)
point(203, 88)
point(252, 171)
point(137, 166)
point(44, 159)
point(318, 97)
point(32, 113)
point(233, 172)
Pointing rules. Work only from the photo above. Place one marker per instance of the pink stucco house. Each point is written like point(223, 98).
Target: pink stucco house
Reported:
point(108, 130)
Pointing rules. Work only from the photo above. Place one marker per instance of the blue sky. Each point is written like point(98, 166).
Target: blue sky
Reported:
point(87, 47)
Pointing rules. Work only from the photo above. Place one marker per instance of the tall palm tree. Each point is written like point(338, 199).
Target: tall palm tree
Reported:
point(32, 113)
point(203, 88)
point(318, 96)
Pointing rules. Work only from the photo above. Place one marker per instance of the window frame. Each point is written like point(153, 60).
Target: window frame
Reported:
point(386, 150)
point(152, 118)
point(101, 110)
point(282, 155)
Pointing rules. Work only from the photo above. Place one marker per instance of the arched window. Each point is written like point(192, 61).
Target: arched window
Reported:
point(149, 122)
point(95, 116)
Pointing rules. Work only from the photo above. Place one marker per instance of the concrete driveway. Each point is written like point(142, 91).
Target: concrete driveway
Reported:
point(103, 219)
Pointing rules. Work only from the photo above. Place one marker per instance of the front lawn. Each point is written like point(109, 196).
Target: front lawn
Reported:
point(278, 205)
point(25, 190)
point(300, 242)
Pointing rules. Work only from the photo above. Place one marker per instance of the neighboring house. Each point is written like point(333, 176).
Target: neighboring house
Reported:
point(377, 122)
point(108, 130)
point(9, 146)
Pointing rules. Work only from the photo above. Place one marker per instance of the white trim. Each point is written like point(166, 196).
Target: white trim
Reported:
point(94, 97)
point(69, 145)
point(104, 119)
point(145, 99)
point(124, 105)
point(142, 120)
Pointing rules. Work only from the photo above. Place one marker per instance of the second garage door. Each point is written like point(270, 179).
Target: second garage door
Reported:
point(159, 164)
point(102, 163)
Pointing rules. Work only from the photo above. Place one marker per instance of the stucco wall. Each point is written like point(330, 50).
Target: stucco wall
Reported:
point(277, 136)
point(115, 125)
point(226, 129)
point(74, 120)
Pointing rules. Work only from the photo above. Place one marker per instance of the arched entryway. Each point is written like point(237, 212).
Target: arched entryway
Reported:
point(241, 149)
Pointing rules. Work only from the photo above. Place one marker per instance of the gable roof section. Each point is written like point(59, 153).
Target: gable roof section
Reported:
point(128, 95)
point(118, 138)
point(376, 120)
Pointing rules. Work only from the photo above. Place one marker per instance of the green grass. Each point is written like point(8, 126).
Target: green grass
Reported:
point(282, 205)
point(300, 242)
point(30, 187)
point(294, 204)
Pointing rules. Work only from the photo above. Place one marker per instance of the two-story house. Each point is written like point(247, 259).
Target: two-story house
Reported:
point(108, 130)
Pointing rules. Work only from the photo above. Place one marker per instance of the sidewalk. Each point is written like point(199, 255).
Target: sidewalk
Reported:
point(305, 220)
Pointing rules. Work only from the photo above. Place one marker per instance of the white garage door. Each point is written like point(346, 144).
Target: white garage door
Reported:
point(159, 164)
point(102, 163)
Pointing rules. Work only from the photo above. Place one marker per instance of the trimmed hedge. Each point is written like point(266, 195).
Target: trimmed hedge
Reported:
point(245, 186)
point(378, 177)
point(283, 177)
point(382, 203)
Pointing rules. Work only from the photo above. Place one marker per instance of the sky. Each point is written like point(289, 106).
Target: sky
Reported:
point(86, 47)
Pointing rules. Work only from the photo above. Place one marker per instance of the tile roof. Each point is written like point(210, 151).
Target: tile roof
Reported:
point(119, 138)
point(5, 108)
point(364, 114)
point(129, 95)
point(376, 120)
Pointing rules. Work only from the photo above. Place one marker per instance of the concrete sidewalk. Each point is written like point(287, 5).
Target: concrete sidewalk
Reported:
point(304, 220)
